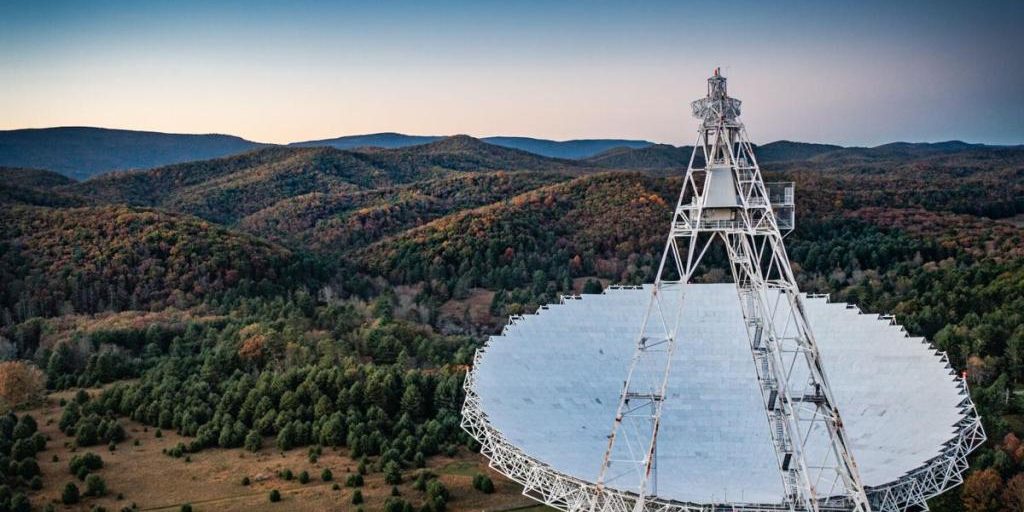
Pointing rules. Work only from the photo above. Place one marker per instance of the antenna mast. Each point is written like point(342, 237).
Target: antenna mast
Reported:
point(724, 198)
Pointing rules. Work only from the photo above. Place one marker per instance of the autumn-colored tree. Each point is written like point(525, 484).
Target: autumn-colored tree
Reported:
point(252, 348)
point(982, 491)
point(20, 383)
point(1013, 447)
point(1013, 494)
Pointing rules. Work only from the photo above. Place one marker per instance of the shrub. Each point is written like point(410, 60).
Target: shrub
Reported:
point(28, 468)
point(421, 480)
point(253, 441)
point(287, 474)
point(82, 465)
point(354, 480)
point(70, 495)
point(20, 503)
point(40, 441)
point(177, 451)
point(86, 434)
point(396, 505)
point(275, 496)
point(486, 485)
point(326, 475)
point(392, 473)
point(245, 480)
point(23, 448)
point(95, 485)
point(186, 507)
point(304, 477)
point(437, 496)
point(357, 497)
point(483, 483)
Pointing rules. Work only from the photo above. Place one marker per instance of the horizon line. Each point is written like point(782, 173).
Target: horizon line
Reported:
point(484, 137)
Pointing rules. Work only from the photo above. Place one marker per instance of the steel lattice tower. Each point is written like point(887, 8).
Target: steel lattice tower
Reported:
point(725, 199)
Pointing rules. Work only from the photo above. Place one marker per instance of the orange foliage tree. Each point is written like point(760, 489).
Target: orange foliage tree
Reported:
point(982, 491)
point(1013, 495)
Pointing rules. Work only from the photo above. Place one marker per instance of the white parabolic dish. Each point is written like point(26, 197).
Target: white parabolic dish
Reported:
point(542, 396)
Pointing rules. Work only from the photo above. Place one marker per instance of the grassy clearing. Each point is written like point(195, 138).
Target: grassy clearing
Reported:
point(212, 479)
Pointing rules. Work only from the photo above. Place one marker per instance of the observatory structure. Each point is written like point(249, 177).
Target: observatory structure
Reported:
point(747, 395)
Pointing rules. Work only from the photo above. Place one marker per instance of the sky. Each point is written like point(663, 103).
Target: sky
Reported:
point(850, 73)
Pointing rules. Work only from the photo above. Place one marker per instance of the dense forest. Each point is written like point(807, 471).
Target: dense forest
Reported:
point(315, 297)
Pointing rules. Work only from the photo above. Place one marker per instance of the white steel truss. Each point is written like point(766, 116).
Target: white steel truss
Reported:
point(547, 485)
point(725, 199)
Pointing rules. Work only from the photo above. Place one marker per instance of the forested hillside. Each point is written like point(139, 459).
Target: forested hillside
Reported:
point(330, 299)
point(34, 187)
point(344, 221)
point(87, 260)
point(225, 190)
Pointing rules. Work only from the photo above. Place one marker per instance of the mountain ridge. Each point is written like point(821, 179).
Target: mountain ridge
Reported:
point(81, 152)
point(229, 188)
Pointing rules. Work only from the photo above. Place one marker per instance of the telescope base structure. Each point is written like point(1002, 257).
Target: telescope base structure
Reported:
point(533, 390)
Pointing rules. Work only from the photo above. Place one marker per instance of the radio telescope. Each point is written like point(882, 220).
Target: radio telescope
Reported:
point(740, 396)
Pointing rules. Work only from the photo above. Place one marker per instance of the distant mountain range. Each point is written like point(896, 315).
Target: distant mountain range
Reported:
point(572, 149)
point(84, 152)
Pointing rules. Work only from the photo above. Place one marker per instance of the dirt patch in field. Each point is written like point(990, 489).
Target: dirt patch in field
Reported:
point(212, 479)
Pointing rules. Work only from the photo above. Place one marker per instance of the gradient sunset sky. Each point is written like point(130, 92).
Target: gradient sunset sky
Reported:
point(852, 73)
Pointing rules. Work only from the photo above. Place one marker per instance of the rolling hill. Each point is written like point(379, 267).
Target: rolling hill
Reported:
point(82, 152)
point(35, 187)
point(592, 225)
point(656, 157)
point(227, 189)
point(344, 221)
point(575, 149)
point(385, 140)
point(569, 149)
point(61, 260)
point(784, 153)
point(784, 150)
